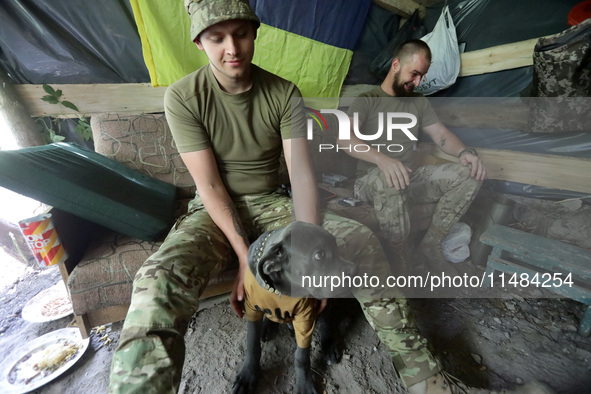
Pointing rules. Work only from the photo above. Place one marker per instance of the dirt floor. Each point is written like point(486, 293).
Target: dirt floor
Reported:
point(498, 343)
point(486, 342)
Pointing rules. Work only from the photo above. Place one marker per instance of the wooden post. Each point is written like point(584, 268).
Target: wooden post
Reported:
point(22, 126)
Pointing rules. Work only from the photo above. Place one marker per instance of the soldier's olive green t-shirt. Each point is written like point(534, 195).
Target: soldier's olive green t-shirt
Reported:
point(244, 131)
point(376, 103)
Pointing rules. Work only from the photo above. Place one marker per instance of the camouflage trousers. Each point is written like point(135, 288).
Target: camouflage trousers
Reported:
point(449, 185)
point(150, 354)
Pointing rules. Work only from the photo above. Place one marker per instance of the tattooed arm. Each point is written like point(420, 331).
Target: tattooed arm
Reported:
point(219, 205)
point(451, 144)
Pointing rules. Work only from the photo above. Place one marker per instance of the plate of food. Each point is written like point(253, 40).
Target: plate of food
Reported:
point(41, 360)
point(50, 304)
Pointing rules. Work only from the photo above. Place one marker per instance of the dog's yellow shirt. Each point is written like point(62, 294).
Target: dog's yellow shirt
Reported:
point(301, 312)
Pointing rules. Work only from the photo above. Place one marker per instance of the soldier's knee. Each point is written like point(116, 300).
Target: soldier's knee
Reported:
point(469, 180)
point(460, 170)
point(162, 276)
point(153, 271)
point(464, 174)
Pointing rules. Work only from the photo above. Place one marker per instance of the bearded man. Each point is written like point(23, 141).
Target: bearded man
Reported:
point(389, 178)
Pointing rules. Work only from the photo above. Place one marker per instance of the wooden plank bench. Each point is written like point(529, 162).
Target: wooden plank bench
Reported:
point(540, 263)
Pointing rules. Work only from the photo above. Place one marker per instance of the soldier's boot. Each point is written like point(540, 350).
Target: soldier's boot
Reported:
point(430, 251)
point(443, 383)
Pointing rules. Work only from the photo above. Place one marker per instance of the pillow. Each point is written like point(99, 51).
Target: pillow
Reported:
point(89, 185)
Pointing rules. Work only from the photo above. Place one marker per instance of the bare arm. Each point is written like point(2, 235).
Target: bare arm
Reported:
point(215, 197)
point(305, 193)
point(451, 144)
point(203, 168)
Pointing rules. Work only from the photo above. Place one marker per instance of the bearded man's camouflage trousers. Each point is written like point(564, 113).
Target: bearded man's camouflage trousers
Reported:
point(166, 290)
point(449, 185)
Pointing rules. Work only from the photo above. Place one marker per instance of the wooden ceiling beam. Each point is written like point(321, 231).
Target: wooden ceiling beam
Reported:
point(94, 98)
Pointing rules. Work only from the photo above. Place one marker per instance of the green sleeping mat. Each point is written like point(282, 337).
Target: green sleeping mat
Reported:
point(91, 186)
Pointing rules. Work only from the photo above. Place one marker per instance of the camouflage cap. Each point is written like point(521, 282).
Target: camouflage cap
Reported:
point(206, 13)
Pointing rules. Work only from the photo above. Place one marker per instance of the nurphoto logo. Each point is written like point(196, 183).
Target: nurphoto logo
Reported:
point(388, 122)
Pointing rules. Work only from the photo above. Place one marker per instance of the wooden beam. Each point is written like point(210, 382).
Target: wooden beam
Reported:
point(142, 98)
point(530, 168)
point(497, 58)
point(404, 8)
point(94, 98)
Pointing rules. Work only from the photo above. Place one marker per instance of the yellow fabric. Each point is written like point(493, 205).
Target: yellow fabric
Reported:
point(301, 312)
point(318, 69)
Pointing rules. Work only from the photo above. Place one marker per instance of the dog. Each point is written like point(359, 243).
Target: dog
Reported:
point(274, 288)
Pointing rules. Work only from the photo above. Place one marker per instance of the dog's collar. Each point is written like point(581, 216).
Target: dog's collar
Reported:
point(259, 254)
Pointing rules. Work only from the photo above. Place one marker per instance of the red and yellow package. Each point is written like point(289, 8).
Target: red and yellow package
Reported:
point(43, 240)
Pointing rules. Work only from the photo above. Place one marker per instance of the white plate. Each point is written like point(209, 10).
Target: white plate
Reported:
point(11, 366)
point(33, 310)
